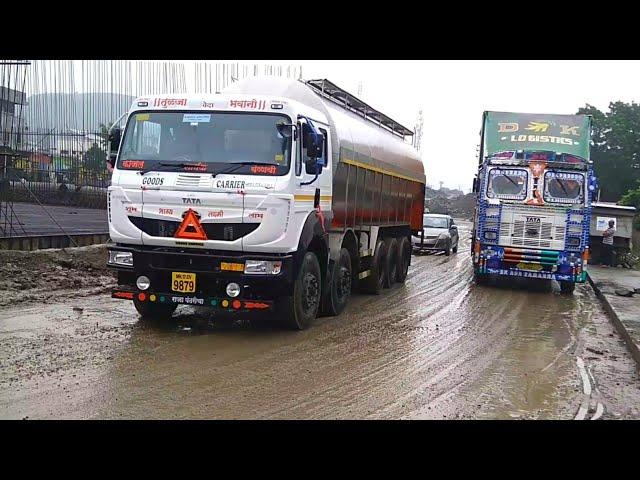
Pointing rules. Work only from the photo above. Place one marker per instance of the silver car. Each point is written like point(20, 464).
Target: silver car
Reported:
point(439, 233)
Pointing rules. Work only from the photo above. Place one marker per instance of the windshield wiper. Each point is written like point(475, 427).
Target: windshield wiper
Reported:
point(511, 180)
point(563, 189)
point(236, 165)
point(164, 164)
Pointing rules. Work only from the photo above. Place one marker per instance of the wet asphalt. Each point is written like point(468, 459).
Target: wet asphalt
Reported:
point(437, 347)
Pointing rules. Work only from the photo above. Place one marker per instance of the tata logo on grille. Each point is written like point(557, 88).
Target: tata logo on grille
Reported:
point(533, 219)
point(191, 201)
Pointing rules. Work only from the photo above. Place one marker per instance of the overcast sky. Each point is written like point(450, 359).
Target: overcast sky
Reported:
point(454, 93)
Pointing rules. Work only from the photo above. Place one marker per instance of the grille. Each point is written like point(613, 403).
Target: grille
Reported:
point(214, 231)
point(531, 236)
point(517, 230)
point(505, 230)
point(192, 181)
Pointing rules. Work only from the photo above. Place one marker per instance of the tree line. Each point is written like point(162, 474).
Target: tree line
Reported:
point(615, 151)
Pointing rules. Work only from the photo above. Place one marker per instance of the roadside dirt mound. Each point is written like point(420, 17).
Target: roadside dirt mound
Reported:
point(44, 274)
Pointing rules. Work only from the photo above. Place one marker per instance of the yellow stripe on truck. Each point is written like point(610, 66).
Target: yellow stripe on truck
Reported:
point(378, 170)
point(310, 198)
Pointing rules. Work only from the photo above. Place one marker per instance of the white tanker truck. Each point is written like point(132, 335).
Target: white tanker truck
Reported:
point(275, 195)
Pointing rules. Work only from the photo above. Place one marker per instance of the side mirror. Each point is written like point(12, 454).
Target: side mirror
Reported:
point(114, 144)
point(475, 183)
point(315, 146)
point(114, 139)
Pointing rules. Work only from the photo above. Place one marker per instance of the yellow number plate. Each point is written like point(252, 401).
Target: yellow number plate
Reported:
point(183, 282)
point(234, 267)
point(530, 266)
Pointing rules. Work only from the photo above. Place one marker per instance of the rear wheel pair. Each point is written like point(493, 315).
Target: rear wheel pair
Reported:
point(390, 264)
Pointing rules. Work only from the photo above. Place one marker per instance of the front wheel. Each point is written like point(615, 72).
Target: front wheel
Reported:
point(481, 278)
point(567, 287)
point(447, 250)
point(339, 291)
point(154, 311)
point(298, 310)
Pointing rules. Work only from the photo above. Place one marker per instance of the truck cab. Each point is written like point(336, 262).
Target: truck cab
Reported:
point(533, 203)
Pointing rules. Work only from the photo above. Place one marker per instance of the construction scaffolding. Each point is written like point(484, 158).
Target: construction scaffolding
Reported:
point(55, 116)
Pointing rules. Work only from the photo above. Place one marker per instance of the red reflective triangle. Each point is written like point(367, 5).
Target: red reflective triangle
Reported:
point(190, 227)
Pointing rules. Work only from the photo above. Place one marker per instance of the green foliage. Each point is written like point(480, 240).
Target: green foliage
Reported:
point(615, 147)
point(95, 159)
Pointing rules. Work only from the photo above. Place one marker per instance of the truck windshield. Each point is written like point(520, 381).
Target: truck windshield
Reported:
point(563, 187)
point(206, 139)
point(434, 222)
point(507, 184)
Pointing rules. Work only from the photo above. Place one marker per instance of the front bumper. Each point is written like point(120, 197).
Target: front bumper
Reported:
point(418, 244)
point(224, 305)
point(529, 263)
point(211, 281)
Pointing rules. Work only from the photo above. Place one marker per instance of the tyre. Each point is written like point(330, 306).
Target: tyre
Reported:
point(337, 295)
point(154, 311)
point(296, 312)
point(455, 249)
point(373, 284)
point(392, 263)
point(404, 259)
point(481, 279)
point(567, 287)
point(447, 250)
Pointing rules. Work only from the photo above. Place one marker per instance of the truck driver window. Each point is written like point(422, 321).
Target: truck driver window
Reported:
point(563, 188)
point(507, 184)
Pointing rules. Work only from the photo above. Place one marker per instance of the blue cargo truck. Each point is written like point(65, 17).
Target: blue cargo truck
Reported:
point(534, 189)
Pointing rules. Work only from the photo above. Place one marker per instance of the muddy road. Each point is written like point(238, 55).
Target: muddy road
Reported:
point(438, 347)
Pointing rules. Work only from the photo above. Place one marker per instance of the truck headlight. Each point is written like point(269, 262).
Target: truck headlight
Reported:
point(124, 259)
point(573, 242)
point(262, 267)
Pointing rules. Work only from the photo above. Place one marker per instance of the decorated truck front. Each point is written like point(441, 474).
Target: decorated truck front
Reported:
point(534, 187)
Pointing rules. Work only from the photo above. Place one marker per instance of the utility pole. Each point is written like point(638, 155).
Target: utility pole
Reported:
point(417, 136)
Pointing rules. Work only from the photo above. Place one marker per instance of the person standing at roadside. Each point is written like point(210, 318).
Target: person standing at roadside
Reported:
point(607, 245)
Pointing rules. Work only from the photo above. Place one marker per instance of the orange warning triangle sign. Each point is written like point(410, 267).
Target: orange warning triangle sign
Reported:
point(190, 227)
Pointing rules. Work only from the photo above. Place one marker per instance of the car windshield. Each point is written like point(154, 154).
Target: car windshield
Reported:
point(206, 138)
point(434, 222)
